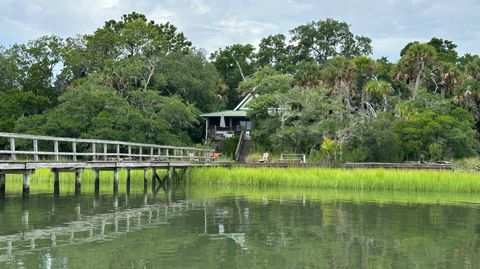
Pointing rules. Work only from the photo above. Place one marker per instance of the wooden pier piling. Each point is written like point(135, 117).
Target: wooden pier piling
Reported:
point(145, 180)
point(2, 186)
point(128, 181)
point(154, 179)
point(97, 181)
point(26, 183)
point(115, 180)
point(78, 181)
point(56, 182)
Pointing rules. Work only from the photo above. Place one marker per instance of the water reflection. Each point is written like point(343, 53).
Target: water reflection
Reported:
point(183, 228)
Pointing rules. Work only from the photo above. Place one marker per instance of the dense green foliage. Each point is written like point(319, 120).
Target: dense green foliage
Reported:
point(131, 80)
point(317, 91)
point(320, 93)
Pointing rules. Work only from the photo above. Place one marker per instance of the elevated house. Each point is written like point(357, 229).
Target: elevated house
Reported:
point(222, 125)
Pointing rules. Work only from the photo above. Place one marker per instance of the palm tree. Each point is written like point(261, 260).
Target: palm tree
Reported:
point(414, 62)
point(379, 88)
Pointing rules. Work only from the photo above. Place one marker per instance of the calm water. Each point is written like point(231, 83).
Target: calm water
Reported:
point(186, 228)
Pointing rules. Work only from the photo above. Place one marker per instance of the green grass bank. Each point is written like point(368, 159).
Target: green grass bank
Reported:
point(341, 179)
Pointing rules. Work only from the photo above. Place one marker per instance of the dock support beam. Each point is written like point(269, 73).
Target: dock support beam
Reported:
point(145, 180)
point(128, 181)
point(2, 186)
point(56, 182)
point(78, 181)
point(171, 173)
point(115, 180)
point(97, 181)
point(154, 179)
point(26, 183)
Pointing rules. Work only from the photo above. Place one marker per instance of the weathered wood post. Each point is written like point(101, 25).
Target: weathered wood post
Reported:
point(140, 153)
point(78, 181)
point(171, 171)
point(105, 152)
point(115, 180)
point(56, 182)
point(55, 148)
point(129, 153)
point(145, 180)
point(26, 183)
point(118, 152)
point(154, 179)
point(13, 156)
point(94, 152)
point(97, 181)
point(2, 186)
point(128, 181)
point(74, 150)
point(35, 150)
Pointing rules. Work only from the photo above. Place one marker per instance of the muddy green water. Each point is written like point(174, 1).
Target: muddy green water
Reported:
point(194, 227)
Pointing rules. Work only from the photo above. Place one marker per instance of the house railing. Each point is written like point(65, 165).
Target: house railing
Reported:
point(239, 146)
point(60, 149)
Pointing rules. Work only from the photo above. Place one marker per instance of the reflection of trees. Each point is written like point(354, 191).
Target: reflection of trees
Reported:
point(236, 232)
point(349, 235)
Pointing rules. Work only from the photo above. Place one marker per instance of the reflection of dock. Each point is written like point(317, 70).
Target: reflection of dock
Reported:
point(99, 227)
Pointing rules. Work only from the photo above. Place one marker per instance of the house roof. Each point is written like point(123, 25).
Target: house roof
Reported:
point(226, 113)
point(244, 104)
point(239, 112)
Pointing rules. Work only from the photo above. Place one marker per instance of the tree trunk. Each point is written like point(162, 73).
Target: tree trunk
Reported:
point(421, 69)
point(385, 103)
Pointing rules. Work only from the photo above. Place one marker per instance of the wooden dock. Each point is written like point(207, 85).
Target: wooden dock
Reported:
point(24, 154)
point(416, 166)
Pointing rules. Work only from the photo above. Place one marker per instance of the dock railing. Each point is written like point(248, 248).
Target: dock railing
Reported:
point(302, 158)
point(22, 147)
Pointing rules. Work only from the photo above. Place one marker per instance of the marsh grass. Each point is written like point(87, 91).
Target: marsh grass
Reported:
point(42, 182)
point(467, 163)
point(341, 179)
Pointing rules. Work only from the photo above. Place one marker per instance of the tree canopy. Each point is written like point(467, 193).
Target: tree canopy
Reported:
point(317, 90)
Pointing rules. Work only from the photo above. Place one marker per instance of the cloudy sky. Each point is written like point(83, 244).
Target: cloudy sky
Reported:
point(212, 24)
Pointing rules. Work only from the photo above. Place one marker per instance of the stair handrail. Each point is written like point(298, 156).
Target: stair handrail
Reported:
point(239, 146)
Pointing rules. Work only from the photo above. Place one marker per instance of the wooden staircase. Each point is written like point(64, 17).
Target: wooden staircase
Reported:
point(245, 150)
point(245, 145)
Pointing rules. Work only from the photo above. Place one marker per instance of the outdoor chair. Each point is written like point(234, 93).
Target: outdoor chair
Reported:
point(264, 158)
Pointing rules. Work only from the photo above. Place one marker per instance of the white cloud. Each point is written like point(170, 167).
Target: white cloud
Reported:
point(108, 3)
point(200, 6)
point(160, 15)
point(211, 24)
point(238, 26)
